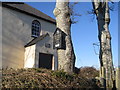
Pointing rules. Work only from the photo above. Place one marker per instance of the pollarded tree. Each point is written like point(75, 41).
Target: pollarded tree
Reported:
point(66, 56)
point(101, 9)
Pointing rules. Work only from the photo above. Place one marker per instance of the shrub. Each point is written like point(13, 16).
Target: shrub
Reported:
point(63, 75)
point(89, 72)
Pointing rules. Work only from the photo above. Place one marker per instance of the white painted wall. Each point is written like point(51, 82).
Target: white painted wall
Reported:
point(29, 61)
point(16, 33)
point(40, 48)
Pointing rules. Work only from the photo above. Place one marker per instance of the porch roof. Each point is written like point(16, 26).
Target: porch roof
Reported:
point(35, 40)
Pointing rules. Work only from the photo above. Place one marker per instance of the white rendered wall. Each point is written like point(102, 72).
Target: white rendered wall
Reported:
point(29, 61)
point(16, 33)
point(40, 48)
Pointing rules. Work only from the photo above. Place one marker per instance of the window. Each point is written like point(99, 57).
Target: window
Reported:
point(36, 28)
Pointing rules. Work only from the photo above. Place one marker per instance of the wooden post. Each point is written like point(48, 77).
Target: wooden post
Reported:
point(0, 45)
point(118, 78)
point(102, 77)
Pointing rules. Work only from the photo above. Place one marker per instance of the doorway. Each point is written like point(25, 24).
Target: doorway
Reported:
point(45, 60)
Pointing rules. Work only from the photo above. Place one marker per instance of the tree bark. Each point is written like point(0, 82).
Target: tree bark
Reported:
point(103, 18)
point(118, 78)
point(66, 58)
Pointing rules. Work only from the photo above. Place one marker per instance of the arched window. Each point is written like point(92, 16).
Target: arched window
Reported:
point(36, 28)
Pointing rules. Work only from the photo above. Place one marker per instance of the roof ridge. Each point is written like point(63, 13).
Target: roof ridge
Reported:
point(25, 8)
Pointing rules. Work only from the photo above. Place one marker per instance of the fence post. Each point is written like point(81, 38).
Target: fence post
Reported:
point(118, 78)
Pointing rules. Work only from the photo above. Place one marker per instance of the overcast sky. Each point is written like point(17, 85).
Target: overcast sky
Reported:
point(85, 32)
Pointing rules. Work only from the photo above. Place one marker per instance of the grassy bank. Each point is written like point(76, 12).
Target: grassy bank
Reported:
point(44, 78)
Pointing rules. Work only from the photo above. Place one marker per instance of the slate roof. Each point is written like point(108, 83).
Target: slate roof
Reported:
point(24, 8)
point(35, 40)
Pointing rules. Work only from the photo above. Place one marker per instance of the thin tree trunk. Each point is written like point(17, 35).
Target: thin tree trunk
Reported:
point(118, 78)
point(66, 58)
point(105, 55)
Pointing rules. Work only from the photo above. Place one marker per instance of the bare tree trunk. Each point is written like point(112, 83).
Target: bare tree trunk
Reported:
point(105, 56)
point(66, 58)
point(118, 78)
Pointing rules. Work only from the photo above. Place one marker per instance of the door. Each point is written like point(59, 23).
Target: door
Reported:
point(45, 60)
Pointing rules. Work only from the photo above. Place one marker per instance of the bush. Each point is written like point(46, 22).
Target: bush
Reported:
point(63, 75)
point(89, 72)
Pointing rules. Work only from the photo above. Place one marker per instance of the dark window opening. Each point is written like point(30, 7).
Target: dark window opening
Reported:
point(36, 28)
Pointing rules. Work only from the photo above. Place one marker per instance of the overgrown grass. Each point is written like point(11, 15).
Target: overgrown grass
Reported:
point(44, 78)
point(63, 75)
